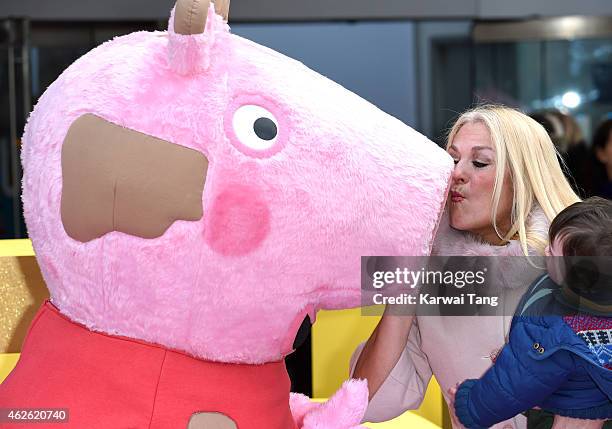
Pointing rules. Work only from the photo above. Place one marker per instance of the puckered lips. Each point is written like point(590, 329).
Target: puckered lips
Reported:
point(456, 197)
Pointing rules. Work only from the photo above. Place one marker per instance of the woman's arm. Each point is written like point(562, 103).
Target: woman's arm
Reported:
point(401, 382)
point(383, 350)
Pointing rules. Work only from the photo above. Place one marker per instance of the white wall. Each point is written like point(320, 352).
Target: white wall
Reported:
point(373, 59)
point(426, 32)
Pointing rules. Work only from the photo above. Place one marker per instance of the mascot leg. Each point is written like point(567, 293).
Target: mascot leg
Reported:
point(211, 421)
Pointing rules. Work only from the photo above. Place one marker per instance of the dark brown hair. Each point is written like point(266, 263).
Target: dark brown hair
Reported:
point(585, 227)
point(602, 134)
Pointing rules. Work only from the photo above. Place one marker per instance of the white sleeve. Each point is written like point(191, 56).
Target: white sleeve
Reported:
point(405, 387)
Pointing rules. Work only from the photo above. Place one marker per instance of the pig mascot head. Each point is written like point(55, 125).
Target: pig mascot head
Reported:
point(192, 198)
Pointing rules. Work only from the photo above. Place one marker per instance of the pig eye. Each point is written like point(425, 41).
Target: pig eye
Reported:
point(255, 127)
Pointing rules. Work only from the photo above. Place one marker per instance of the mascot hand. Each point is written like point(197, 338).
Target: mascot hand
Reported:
point(344, 410)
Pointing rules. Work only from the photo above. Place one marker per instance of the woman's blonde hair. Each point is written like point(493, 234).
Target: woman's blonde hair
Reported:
point(524, 146)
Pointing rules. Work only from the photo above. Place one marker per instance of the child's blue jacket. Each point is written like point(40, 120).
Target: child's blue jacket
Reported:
point(545, 363)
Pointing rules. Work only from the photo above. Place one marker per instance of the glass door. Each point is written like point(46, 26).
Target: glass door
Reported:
point(561, 63)
point(14, 107)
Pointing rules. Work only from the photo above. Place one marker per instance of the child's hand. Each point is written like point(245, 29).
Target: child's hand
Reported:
point(451, 408)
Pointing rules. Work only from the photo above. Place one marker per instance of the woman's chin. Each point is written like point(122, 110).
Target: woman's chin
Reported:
point(457, 220)
point(465, 224)
point(458, 224)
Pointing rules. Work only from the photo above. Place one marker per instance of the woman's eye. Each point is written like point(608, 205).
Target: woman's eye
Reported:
point(455, 161)
point(255, 127)
point(479, 164)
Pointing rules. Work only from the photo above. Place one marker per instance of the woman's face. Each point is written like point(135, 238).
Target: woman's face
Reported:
point(470, 200)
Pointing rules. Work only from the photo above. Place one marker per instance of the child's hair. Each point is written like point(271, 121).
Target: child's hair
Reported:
point(585, 230)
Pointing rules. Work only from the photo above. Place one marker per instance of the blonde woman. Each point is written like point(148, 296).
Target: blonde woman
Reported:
point(506, 188)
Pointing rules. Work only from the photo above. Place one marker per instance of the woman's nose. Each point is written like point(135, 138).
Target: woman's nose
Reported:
point(459, 174)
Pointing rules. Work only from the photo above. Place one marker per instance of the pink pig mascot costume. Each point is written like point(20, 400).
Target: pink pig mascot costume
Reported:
point(192, 198)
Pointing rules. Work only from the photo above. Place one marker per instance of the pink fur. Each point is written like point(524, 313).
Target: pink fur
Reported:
point(301, 406)
point(239, 221)
point(191, 54)
point(458, 243)
point(344, 180)
point(508, 266)
point(344, 410)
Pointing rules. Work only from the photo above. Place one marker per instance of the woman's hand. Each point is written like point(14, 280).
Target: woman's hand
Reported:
point(382, 350)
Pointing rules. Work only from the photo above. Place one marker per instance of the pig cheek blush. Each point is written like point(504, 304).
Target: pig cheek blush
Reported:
point(238, 221)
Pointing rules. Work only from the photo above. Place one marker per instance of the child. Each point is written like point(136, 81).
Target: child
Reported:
point(559, 353)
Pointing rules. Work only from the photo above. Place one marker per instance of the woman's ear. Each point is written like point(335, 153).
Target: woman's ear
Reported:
point(547, 250)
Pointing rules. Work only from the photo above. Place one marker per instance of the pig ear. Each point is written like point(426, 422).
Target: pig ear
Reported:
point(190, 16)
point(194, 28)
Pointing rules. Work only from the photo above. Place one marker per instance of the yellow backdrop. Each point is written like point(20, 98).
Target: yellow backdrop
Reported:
point(335, 336)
